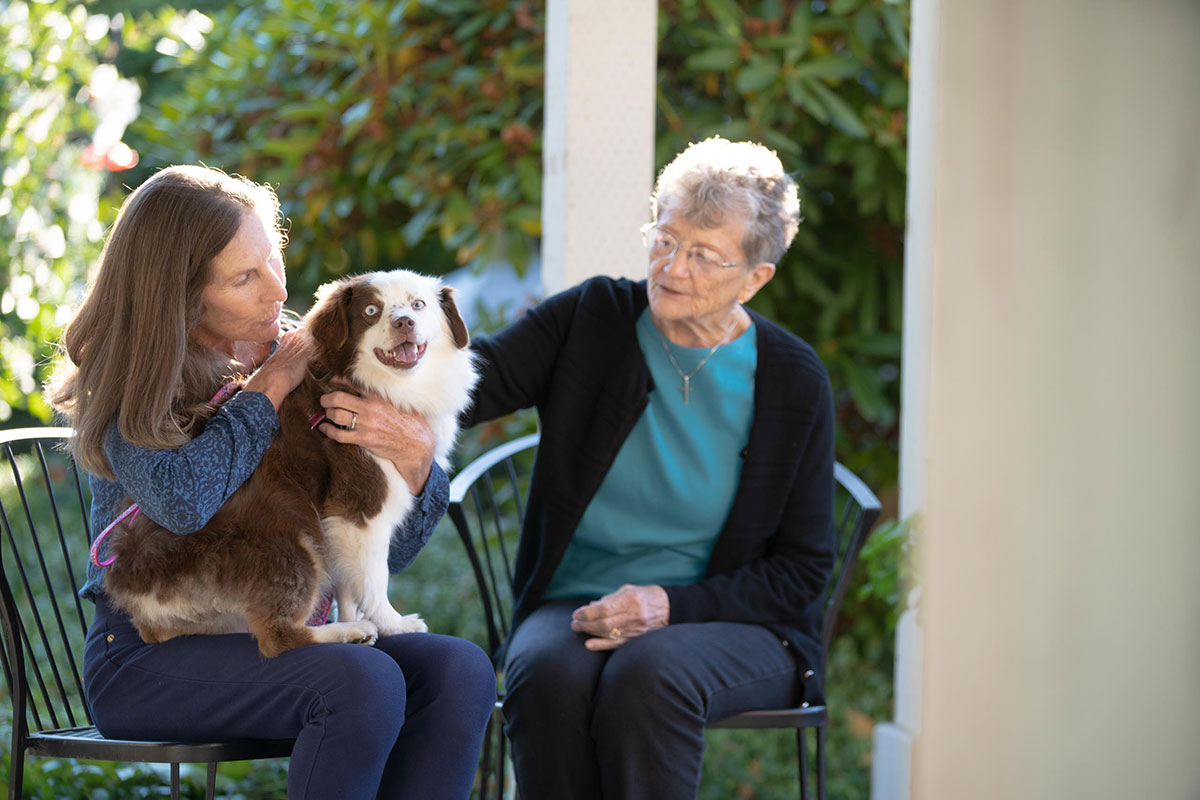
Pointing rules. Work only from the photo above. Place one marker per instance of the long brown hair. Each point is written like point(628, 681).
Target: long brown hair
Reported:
point(127, 355)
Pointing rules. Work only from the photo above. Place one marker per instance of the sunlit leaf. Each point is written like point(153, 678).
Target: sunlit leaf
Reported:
point(832, 68)
point(896, 28)
point(806, 100)
point(728, 15)
point(842, 116)
point(414, 230)
point(757, 75)
point(718, 58)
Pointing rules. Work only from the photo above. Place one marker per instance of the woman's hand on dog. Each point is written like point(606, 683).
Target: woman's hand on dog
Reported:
point(621, 615)
point(401, 437)
point(284, 369)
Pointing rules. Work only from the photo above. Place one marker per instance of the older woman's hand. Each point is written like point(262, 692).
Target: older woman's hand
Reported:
point(398, 436)
point(619, 616)
point(284, 369)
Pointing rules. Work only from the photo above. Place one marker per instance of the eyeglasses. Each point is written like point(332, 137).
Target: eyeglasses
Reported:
point(662, 244)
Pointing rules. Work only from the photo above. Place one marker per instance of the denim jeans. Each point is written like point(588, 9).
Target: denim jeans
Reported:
point(402, 719)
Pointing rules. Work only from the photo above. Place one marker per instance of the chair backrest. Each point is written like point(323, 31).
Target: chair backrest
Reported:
point(487, 506)
point(855, 509)
point(44, 505)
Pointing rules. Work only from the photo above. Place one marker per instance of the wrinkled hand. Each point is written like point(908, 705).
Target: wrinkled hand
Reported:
point(398, 436)
point(621, 615)
point(285, 368)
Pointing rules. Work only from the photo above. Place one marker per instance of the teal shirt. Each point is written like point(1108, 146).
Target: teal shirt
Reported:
point(661, 507)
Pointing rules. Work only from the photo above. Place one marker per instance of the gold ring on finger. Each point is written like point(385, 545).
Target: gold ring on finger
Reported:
point(615, 633)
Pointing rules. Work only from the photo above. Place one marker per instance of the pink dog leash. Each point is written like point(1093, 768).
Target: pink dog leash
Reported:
point(322, 610)
point(94, 553)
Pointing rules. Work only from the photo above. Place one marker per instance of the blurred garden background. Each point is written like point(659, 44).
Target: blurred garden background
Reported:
point(409, 134)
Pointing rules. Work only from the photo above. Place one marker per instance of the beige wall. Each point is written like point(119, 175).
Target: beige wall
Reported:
point(1060, 559)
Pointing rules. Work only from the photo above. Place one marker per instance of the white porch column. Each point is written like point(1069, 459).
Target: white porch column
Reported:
point(1058, 466)
point(892, 752)
point(598, 139)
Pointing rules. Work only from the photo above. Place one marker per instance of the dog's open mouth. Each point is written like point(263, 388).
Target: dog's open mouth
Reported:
point(403, 356)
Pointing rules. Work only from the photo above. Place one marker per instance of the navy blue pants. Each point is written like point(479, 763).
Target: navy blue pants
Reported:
point(402, 719)
point(630, 723)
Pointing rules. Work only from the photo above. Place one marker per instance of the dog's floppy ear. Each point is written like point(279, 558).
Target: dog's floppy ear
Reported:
point(329, 320)
point(458, 328)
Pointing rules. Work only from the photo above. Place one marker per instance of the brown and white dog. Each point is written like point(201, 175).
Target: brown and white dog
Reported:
point(314, 513)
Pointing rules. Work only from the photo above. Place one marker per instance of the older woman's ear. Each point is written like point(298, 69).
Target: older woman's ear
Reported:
point(759, 277)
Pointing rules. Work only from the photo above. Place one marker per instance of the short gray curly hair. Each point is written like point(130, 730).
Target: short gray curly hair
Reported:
point(716, 180)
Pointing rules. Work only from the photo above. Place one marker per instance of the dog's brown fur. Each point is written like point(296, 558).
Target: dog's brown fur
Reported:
point(263, 551)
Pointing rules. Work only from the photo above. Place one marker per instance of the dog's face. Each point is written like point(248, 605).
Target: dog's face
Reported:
point(375, 327)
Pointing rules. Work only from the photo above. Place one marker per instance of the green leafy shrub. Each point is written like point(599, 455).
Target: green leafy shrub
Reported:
point(394, 132)
point(49, 232)
point(411, 132)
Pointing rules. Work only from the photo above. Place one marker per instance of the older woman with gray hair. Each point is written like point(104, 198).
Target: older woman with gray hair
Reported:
point(679, 534)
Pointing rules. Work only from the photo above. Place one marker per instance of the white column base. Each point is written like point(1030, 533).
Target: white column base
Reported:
point(891, 763)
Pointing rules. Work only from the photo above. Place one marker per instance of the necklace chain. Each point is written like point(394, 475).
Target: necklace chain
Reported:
point(687, 376)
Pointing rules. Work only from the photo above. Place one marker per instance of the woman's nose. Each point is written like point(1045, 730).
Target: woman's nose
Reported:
point(677, 262)
point(278, 289)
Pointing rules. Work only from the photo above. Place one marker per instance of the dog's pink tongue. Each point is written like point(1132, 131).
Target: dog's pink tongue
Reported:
point(406, 353)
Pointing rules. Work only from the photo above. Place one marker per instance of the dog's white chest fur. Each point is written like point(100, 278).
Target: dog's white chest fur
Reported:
point(357, 559)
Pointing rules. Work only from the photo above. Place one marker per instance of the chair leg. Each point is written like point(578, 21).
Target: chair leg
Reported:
point(16, 775)
point(501, 764)
point(486, 768)
point(802, 761)
point(821, 763)
point(210, 783)
point(174, 780)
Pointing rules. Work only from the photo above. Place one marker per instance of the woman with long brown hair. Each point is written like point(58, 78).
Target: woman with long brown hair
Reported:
point(190, 291)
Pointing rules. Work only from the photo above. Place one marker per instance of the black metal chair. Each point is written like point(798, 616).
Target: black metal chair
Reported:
point(487, 507)
point(492, 488)
point(44, 505)
point(856, 509)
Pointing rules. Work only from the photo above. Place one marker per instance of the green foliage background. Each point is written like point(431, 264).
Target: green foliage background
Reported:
point(410, 133)
point(45, 59)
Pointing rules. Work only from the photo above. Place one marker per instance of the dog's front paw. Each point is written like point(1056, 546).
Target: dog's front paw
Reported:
point(406, 623)
point(359, 632)
point(366, 630)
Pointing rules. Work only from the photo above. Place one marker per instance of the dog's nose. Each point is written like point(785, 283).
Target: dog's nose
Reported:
point(403, 323)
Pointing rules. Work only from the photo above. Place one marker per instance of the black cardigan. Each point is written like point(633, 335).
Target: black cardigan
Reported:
point(576, 358)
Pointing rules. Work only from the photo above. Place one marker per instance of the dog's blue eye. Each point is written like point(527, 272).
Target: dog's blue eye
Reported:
point(371, 310)
point(418, 305)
